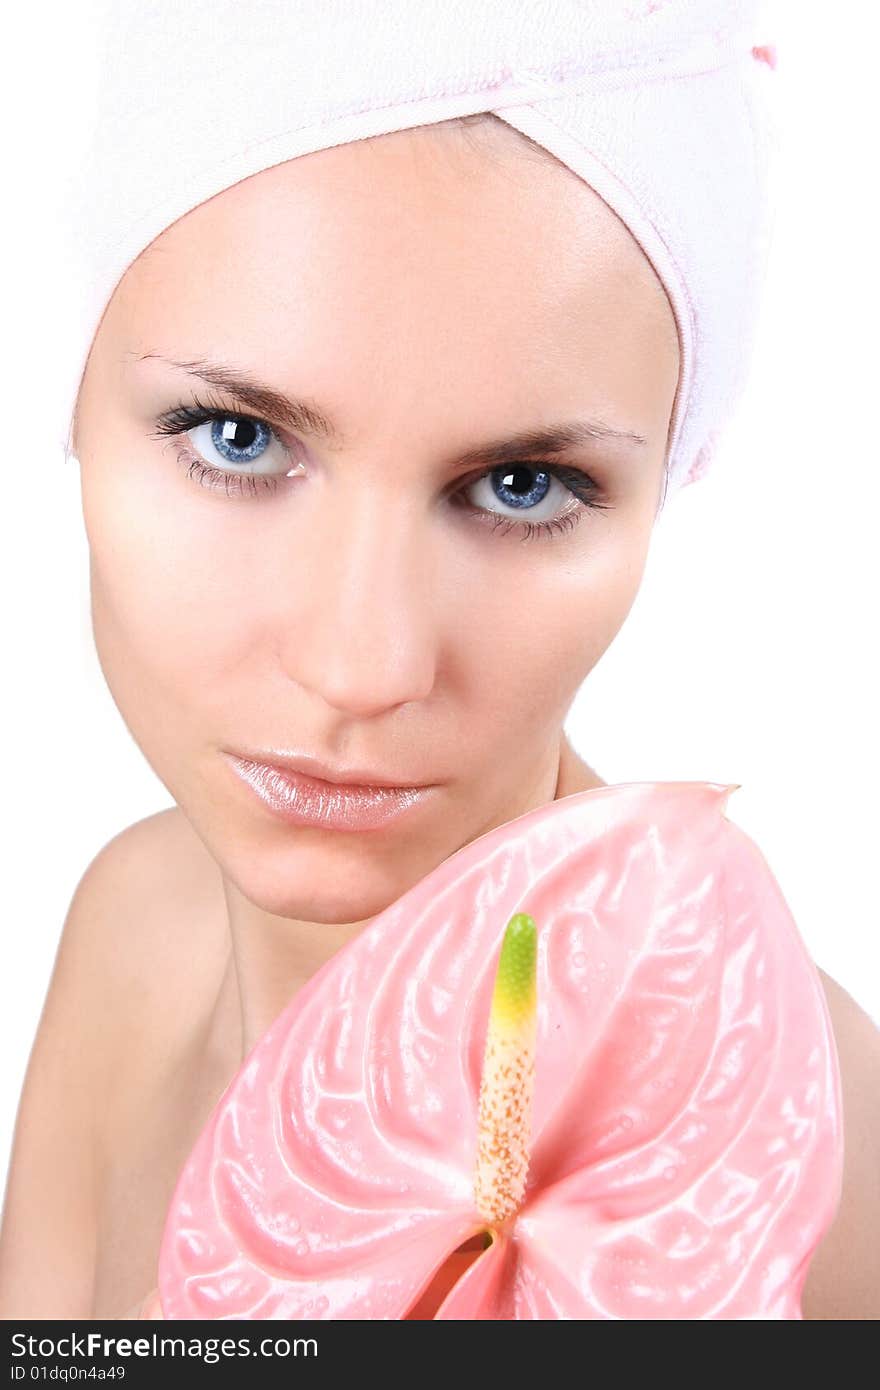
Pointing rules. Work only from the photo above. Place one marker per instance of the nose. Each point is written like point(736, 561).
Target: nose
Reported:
point(359, 630)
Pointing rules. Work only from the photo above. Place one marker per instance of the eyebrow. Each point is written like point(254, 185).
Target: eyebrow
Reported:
point(304, 418)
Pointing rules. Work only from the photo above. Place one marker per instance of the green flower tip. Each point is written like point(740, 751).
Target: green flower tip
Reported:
point(517, 966)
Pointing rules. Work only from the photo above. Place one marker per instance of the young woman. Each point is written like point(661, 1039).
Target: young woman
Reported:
point(372, 443)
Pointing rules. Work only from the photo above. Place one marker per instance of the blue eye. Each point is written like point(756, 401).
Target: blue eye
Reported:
point(242, 444)
point(536, 490)
point(515, 488)
point(239, 441)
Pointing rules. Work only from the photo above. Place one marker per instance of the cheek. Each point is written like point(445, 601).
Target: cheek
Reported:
point(536, 629)
point(168, 599)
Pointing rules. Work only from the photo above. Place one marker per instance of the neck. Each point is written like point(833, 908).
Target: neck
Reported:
point(272, 957)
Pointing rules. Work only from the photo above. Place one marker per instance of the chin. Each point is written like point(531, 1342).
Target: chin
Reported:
point(312, 893)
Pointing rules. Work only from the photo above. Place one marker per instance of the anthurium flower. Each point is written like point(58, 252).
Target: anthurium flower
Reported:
point(591, 1045)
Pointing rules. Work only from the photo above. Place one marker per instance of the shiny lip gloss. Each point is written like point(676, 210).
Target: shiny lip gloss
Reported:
point(333, 805)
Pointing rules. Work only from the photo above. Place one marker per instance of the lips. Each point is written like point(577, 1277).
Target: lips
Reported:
point(305, 800)
point(318, 771)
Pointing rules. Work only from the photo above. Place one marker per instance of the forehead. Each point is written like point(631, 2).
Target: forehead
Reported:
point(461, 246)
point(478, 205)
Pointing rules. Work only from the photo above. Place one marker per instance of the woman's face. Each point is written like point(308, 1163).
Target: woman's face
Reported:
point(366, 589)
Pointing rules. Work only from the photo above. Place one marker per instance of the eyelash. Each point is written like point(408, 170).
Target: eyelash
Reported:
point(178, 421)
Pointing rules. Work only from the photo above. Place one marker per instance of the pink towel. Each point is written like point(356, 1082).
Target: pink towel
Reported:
point(663, 106)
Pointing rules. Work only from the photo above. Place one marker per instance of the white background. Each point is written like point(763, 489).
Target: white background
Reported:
point(749, 656)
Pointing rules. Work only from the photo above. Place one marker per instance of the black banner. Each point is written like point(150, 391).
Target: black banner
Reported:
point(122, 1354)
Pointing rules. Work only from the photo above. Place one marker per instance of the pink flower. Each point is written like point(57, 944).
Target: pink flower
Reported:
point(680, 1128)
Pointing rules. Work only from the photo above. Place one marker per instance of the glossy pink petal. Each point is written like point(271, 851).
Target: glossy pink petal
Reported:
point(687, 1148)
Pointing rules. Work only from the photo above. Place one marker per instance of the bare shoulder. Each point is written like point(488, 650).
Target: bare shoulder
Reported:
point(114, 1009)
point(146, 911)
point(154, 901)
point(843, 1282)
point(156, 855)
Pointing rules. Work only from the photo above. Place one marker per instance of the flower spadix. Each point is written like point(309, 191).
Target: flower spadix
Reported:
point(508, 1079)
